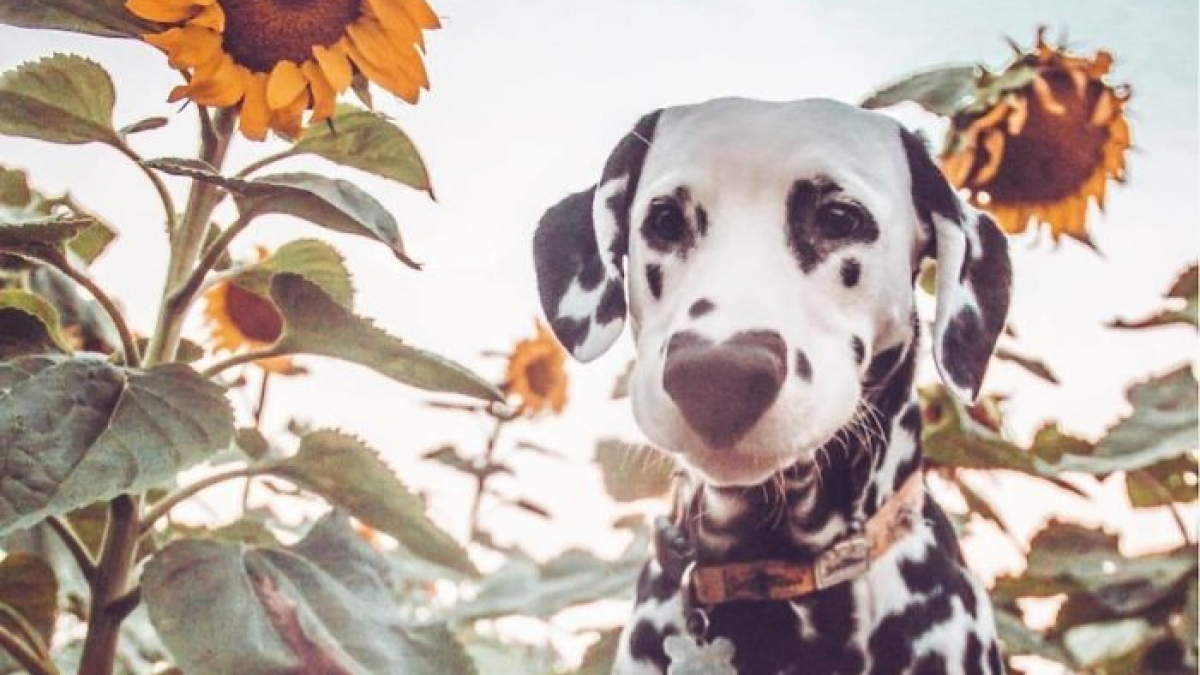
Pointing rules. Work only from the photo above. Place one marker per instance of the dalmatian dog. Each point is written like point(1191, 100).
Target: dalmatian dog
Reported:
point(765, 256)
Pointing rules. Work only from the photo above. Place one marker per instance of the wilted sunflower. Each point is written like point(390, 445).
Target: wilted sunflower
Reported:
point(278, 58)
point(1041, 140)
point(536, 373)
point(241, 320)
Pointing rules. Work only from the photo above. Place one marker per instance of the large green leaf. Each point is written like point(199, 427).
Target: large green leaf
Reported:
point(633, 472)
point(62, 99)
point(1020, 639)
point(351, 476)
point(315, 324)
point(943, 91)
point(318, 262)
point(28, 325)
point(1161, 427)
point(1164, 483)
point(76, 431)
point(524, 588)
point(27, 585)
point(368, 141)
point(1093, 644)
point(324, 606)
point(332, 203)
point(106, 18)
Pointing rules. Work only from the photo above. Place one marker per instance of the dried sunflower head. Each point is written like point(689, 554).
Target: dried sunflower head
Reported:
point(536, 374)
point(1041, 140)
point(278, 58)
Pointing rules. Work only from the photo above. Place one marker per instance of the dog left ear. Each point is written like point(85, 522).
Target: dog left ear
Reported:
point(580, 246)
point(974, 275)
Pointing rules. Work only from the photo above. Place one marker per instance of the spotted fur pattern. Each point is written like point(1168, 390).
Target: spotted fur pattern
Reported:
point(765, 255)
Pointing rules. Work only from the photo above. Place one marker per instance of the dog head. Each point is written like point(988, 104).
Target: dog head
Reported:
point(763, 252)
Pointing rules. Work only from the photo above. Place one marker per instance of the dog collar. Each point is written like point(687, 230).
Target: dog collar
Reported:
point(850, 558)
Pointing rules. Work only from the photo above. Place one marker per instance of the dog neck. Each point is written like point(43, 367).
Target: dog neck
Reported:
point(803, 510)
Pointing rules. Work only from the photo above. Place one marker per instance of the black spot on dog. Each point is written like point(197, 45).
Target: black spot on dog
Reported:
point(627, 159)
point(910, 420)
point(965, 354)
point(973, 659)
point(851, 270)
point(700, 307)
point(860, 349)
point(891, 643)
point(654, 280)
point(930, 191)
point(820, 220)
point(612, 303)
point(884, 363)
point(930, 664)
point(571, 332)
point(646, 643)
point(564, 249)
point(701, 220)
point(803, 367)
point(995, 665)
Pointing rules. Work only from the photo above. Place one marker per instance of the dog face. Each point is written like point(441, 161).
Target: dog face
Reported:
point(770, 251)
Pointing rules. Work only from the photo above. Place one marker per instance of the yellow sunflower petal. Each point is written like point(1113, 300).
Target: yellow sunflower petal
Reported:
point(324, 98)
point(1041, 89)
point(335, 65)
point(393, 17)
point(289, 120)
point(165, 11)
point(285, 84)
point(222, 87)
point(187, 47)
point(421, 13)
point(255, 116)
point(993, 144)
point(369, 50)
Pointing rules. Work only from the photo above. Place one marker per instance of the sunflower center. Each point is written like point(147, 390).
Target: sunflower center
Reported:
point(1056, 152)
point(541, 375)
point(260, 33)
point(255, 317)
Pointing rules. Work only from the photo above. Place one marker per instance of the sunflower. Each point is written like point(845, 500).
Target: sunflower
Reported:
point(1041, 140)
point(239, 319)
point(279, 58)
point(536, 374)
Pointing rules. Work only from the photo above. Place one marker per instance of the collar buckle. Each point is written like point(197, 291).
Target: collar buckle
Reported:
point(846, 560)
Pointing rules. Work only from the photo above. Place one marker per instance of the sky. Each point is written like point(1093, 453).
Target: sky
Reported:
point(528, 97)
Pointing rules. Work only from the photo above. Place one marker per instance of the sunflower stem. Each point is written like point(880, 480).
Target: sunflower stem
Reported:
point(110, 584)
point(129, 346)
point(79, 551)
point(481, 479)
point(183, 296)
point(189, 238)
point(242, 358)
point(164, 506)
point(264, 162)
point(164, 195)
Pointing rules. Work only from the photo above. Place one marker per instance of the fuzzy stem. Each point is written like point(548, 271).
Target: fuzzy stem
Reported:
point(182, 297)
point(160, 187)
point(265, 161)
point(242, 358)
point(111, 584)
point(481, 479)
point(164, 506)
point(128, 344)
point(78, 550)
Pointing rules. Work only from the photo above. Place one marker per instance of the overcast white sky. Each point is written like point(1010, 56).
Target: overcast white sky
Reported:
point(529, 95)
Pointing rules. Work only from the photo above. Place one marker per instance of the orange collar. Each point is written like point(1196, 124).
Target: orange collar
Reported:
point(849, 559)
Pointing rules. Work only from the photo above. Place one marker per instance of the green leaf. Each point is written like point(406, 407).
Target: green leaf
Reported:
point(77, 431)
point(351, 475)
point(332, 203)
point(62, 99)
point(368, 141)
point(1020, 639)
point(633, 472)
point(105, 18)
point(30, 218)
point(147, 124)
point(28, 585)
point(251, 442)
point(324, 605)
point(1093, 644)
point(943, 91)
point(523, 588)
point(315, 324)
point(1164, 483)
point(1161, 427)
point(318, 262)
point(28, 325)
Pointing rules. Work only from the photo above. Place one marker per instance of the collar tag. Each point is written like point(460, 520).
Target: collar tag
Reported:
point(846, 560)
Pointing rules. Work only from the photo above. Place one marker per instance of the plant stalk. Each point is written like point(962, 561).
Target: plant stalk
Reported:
point(164, 506)
point(25, 655)
point(111, 583)
point(128, 344)
point(481, 479)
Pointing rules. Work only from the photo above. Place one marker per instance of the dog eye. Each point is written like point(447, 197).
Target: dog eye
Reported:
point(665, 224)
point(840, 219)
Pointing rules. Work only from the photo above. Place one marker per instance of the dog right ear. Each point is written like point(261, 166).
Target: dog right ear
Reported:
point(580, 246)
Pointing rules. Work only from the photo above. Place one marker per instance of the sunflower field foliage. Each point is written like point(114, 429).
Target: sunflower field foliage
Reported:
point(104, 432)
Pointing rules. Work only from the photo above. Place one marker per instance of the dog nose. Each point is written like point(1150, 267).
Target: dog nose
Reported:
point(723, 389)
